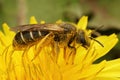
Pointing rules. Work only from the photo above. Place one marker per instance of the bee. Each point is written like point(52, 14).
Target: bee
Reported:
point(62, 33)
point(31, 33)
point(58, 35)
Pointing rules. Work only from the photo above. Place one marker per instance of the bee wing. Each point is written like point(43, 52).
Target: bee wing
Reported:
point(49, 27)
point(22, 27)
point(52, 27)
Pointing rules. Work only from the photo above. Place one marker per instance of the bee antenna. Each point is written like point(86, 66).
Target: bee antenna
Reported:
point(96, 41)
point(101, 26)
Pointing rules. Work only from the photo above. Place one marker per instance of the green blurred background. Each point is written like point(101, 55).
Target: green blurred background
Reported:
point(100, 12)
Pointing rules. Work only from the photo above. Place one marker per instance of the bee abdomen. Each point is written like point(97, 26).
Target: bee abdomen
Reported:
point(26, 37)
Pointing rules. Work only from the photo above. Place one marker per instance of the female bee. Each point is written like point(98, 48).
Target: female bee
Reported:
point(63, 33)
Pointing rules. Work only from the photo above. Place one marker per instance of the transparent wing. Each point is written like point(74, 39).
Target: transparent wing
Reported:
point(50, 27)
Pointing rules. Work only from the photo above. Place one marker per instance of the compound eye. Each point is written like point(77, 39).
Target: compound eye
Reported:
point(81, 39)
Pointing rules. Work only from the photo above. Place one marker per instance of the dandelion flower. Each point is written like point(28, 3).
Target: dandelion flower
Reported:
point(17, 65)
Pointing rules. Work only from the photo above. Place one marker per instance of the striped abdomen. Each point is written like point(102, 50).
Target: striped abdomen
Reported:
point(27, 37)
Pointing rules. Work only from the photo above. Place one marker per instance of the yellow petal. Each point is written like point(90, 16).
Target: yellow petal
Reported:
point(42, 22)
point(61, 60)
point(92, 70)
point(33, 20)
point(2, 38)
point(9, 34)
point(80, 55)
point(82, 23)
point(106, 78)
point(70, 72)
point(59, 21)
point(112, 69)
point(6, 28)
point(108, 43)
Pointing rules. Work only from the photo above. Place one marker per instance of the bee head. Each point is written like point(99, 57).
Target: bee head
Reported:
point(81, 38)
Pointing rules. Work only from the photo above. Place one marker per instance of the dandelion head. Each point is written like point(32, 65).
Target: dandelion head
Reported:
point(49, 60)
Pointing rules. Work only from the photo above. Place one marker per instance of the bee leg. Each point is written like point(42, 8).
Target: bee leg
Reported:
point(45, 41)
point(55, 51)
point(70, 41)
point(36, 53)
point(71, 55)
point(85, 46)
